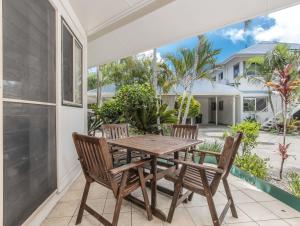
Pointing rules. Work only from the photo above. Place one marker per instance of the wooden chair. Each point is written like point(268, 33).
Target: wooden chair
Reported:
point(183, 132)
point(204, 180)
point(118, 131)
point(97, 166)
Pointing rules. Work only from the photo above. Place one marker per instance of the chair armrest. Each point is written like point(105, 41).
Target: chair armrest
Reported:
point(129, 166)
point(199, 166)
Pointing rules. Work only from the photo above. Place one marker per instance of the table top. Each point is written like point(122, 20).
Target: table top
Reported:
point(154, 144)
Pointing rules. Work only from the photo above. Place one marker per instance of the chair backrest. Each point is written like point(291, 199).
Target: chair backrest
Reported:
point(115, 131)
point(185, 131)
point(227, 157)
point(94, 157)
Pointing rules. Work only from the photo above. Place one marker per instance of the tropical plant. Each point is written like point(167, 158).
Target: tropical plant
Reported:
point(253, 164)
point(138, 105)
point(285, 63)
point(194, 109)
point(92, 80)
point(211, 146)
point(294, 183)
point(109, 112)
point(263, 73)
point(250, 132)
point(204, 60)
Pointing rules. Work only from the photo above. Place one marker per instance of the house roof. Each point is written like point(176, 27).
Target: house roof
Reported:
point(259, 49)
point(207, 88)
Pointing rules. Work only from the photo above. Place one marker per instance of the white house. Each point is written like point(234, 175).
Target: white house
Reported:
point(229, 99)
point(46, 47)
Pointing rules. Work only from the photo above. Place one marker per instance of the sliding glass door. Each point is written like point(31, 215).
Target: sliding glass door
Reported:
point(29, 108)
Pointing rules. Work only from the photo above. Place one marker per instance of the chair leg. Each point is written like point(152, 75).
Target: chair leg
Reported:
point(117, 210)
point(83, 202)
point(229, 197)
point(212, 209)
point(145, 195)
point(177, 192)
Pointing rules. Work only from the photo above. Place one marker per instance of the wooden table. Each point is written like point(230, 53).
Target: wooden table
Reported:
point(155, 146)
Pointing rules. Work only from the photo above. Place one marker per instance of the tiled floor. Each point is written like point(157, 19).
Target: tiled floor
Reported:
point(254, 208)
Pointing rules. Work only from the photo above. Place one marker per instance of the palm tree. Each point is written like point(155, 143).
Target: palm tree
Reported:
point(103, 79)
point(204, 61)
point(181, 64)
point(263, 73)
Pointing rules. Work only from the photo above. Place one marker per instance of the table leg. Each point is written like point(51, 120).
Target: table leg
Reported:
point(156, 212)
point(128, 156)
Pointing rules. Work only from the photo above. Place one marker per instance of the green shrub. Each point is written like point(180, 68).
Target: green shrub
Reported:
point(138, 106)
point(195, 107)
point(109, 112)
point(211, 146)
point(250, 134)
point(253, 164)
point(294, 183)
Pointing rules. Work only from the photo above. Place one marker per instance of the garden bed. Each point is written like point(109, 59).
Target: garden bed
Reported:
point(264, 186)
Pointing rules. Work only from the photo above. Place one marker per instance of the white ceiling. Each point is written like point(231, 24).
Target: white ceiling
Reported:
point(97, 14)
point(172, 22)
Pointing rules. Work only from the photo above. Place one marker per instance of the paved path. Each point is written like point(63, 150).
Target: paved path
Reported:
point(267, 146)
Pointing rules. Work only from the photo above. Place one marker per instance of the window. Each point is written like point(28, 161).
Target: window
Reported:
point(221, 105)
point(255, 104)
point(221, 75)
point(251, 69)
point(71, 68)
point(236, 70)
point(261, 103)
point(213, 106)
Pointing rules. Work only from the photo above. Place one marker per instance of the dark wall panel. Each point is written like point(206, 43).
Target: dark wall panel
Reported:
point(29, 159)
point(29, 73)
point(29, 50)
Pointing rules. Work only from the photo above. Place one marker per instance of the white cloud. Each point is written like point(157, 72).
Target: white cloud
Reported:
point(149, 54)
point(285, 29)
point(234, 34)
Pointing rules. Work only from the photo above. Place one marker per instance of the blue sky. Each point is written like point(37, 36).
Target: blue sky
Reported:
point(281, 26)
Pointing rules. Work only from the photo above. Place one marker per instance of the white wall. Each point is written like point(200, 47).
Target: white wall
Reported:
point(69, 119)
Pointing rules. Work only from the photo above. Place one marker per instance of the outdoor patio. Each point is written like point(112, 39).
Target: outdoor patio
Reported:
point(254, 208)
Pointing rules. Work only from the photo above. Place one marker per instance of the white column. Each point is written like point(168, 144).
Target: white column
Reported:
point(233, 110)
point(217, 108)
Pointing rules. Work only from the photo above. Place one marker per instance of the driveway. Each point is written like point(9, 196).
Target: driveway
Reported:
point(267, 147)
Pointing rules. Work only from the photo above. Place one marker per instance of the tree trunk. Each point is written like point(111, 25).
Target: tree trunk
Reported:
point(98, 85)
point(270, 101)
point(188, 104)
point(284, 137)
point(154, 84)
point(181, 106)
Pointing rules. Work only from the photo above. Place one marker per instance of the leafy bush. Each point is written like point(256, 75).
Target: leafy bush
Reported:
point(211, 146)
point(195, 107)
point(250, 134)
point(253, 164)
point(109, 112)
point(137, 105)
point(294, 183)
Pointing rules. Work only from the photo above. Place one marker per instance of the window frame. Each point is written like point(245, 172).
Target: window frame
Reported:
point(239, 70)
point(221, 76)
point(255, 103)
point(76, 41)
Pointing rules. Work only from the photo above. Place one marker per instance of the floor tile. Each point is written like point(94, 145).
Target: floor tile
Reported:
point(64, 209)
point(72, 195)
point(110, 206)
point(87, 220)
point(242, 217)
point(272, 223)
point(244, 224)
point(181, 217)
point(258, 195)
point(240, 197)
point(124, 218)
point(256, 211)
point(293, 221)
point(59, 221)
point(281, 209)
point(140, 218)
